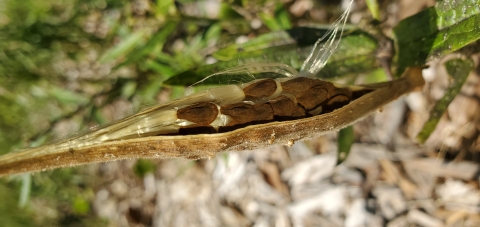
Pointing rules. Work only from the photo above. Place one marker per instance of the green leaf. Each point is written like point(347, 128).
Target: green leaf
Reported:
point(345, 140)
point(99, 117)
point(373, 7)
point(128, 89)
point(26, 179)
point(164, 6)
point(269, 20)
point(282, 18)
point(213, 32)
point(277, 21)
point(375, 76)
point(123, 48)
point(301, 36)
point(285, 54)
point(161, 69)
point(355, 54)
point(291, 50)
point(68, 97)
point(81, 206)
point(143, 166)
point(263, 41)
point(226, 12)
point(436, 31)
point(155, 43)
point(458, 70)
point(194, 45)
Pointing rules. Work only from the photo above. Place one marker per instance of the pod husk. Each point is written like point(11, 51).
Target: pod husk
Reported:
point(209, 145)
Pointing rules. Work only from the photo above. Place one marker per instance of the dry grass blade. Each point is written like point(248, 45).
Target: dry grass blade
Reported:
point(209, 145)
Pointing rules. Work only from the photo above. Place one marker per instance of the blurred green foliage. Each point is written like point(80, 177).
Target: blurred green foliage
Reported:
point(42, 44)
point(143, 167)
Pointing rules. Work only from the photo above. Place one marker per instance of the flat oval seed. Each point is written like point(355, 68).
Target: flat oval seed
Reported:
point(313, 97)
point(309, 92)
point(341, 91)
point(222, 95)
point(260, 89)
point(242, 113)
point(297, 86)
point(299, 112)
point(336, 102)
point(282, 106)
point(202, 113)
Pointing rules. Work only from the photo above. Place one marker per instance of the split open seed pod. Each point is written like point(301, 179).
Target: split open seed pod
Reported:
point(135, 137)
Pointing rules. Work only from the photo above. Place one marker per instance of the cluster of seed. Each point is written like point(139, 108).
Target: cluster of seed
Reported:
point(230, 107)
point(264, 101)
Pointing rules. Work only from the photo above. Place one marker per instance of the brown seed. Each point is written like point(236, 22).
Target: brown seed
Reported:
point(203, 113)
point(313, 97)
point(309, 92)
point(243, 113)
point(338, 99)
point(260, 89)
point(283, 106)
point(298, 85)
point(341, 91)
point(299, 112)
point(336, 102)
